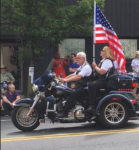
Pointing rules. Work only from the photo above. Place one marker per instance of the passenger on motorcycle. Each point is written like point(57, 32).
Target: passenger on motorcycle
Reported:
point(102, 70)
point(81, 78)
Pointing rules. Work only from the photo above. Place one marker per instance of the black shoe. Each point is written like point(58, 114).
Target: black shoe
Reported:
point(90, 113)
point(91, 110)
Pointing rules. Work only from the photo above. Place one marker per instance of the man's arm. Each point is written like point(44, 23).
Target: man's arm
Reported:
point(17, 98)
point(5, 99)
point(72, 78)
point(69, 76)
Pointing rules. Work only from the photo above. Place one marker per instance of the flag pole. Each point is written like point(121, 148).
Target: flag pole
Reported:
point(94, 32)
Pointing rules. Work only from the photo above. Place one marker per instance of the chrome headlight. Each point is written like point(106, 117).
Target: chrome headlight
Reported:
point(35, 88)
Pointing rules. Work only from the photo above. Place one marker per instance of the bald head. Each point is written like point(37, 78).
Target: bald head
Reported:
point(11, 87)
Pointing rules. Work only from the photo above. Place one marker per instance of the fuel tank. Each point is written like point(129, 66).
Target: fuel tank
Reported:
point(62, 90)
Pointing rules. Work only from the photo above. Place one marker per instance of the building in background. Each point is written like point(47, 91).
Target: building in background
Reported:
point(123, 15)
point(10, 57)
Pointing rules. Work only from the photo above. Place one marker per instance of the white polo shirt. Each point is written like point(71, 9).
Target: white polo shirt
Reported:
point(135, 64)
point(85, 70)
point(106, 64)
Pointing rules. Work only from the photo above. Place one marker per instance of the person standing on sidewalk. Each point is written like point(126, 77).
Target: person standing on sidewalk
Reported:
point(73, 65)
point(135, 69)
point(5, 75)
point(58, 65)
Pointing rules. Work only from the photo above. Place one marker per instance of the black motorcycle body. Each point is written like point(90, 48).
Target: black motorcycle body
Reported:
point(116, 104)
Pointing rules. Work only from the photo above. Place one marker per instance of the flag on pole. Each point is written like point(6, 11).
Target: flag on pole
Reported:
point(104, 33)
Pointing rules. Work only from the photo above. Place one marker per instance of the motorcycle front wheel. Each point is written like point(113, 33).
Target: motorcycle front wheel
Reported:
point(24, 122)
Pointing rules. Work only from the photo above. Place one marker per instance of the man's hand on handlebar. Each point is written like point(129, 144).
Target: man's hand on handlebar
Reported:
point(62, 80)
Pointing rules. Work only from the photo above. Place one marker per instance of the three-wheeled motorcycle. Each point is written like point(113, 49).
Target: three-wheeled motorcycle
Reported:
point(116, 104)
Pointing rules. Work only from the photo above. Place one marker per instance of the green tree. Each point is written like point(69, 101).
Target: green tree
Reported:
point(35, 20)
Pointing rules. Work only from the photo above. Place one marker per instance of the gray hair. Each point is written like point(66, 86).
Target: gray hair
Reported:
point(81, 54)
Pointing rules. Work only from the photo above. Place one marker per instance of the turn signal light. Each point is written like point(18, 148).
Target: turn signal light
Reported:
point(134, 85)
point(133, 101)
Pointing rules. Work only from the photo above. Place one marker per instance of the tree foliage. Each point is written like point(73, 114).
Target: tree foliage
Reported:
point(35, 20)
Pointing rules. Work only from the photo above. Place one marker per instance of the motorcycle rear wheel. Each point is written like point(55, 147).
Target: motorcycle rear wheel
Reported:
point(113, 115)
point(24, 122)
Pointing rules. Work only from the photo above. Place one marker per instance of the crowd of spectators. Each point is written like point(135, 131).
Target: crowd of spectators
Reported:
point(61, 66)
point(8, 94)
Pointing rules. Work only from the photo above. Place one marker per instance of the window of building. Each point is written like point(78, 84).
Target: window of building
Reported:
point(9, 59)
point(69, 46)
point(129, 47)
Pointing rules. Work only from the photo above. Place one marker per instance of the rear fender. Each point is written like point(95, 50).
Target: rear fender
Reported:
point(24, 102)
point(116, 98)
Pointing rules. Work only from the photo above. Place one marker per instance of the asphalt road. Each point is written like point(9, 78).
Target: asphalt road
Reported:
point(70, 136)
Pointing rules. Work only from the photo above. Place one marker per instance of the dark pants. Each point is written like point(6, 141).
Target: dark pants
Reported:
point(78, 95)
point(93, 88)
point(7, 108)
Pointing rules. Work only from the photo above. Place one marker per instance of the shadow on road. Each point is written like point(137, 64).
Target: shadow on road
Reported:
point(74, 128)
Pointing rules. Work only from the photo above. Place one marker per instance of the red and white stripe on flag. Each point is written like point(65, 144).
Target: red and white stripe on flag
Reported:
point(104, 33)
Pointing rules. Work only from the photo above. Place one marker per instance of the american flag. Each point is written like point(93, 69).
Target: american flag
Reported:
point(104, 33)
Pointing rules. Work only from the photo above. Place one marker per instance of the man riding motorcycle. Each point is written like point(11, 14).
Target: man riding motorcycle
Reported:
point(81, 78)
